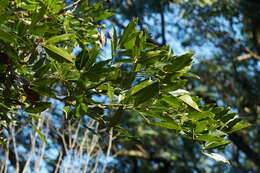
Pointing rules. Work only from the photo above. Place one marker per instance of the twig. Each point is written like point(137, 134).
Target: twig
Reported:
point(15, 150)
point(59, 162)
point(108, 149)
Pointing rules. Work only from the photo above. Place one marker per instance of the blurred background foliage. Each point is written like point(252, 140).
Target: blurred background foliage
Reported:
point(225, 36)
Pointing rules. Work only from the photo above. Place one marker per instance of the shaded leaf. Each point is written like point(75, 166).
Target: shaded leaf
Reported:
point(38, 107)
point(117, 116)
point(140, 86)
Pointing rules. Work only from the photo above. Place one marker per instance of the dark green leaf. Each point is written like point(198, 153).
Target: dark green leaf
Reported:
point(117, 116)
point(82, 59)
point(179, 63)
point(140, 86)
point(38, 107)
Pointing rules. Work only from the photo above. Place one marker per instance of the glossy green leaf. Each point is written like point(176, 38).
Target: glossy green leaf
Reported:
point(58, 54)
point(168, 125)
point(60, 38)
point(194, 115)
point(239, 126)
point(188, 100)
point(179, 63)
point(201, 126)
point(147, 93)
point(127, 32)
point(172, 101)
point(140, 86)
point(208, 138)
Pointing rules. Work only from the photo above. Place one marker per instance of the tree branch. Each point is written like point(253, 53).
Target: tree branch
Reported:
point(162, 26)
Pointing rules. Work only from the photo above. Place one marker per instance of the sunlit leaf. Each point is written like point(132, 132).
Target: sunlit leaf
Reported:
point(58, 54)
point(188, 100)
point(217, 157)
point(59, 38)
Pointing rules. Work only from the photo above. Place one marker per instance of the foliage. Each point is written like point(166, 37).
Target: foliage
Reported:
point(225, 35)
point(37, 40)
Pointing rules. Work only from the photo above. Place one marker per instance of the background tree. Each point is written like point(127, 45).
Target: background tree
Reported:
point(141, 79)
point(226, 37)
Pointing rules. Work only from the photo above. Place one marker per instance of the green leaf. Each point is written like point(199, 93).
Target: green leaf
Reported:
point(40, 133)
point(38, 107)
point(6, 37)
point(194, 115)
point(38, 64)
point(147, 93)
point(36, 17)
point(178, 92)
point(140, 86)
point(59, 38)
point(115, 42)
point(82, 59)
point(84, 107)
point(110, 92)
point(105, 14)
point(172, 101)
point(78, 112)
point(21, 27)
point(168, 125)
point(3, 108)
point(188, 100)
point(216, 157)
point(208, 138)
point(239, 126)
point(215, 144)
point(43, 70)
point(117, 116)
point(201, 126)
point(127, 32)
point(179, 63)
point(67, 111)
point(58, 54)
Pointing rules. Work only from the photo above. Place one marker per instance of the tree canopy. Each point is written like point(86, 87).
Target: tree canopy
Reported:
point(140, 79)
